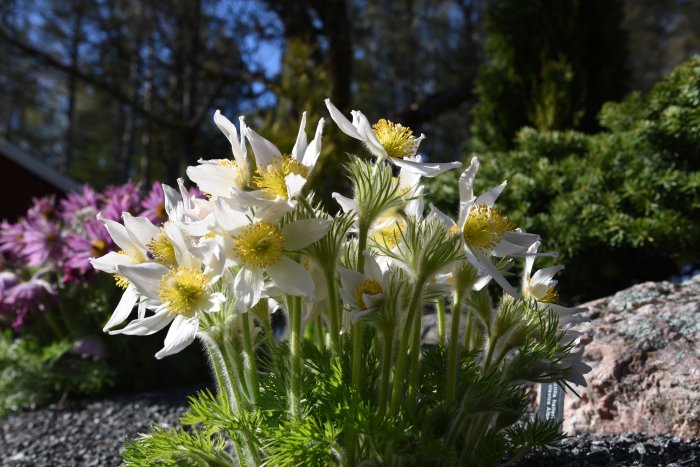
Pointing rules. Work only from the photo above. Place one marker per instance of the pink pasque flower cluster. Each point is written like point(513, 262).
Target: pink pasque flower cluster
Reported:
point(55, 240)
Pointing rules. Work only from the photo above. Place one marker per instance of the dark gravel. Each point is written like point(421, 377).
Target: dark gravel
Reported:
point(86, 432)
point(92, 432)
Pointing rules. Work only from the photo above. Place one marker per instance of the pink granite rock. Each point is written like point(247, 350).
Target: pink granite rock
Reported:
point(644, 346)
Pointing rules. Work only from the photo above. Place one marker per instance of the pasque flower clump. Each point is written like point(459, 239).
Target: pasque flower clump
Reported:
point(347, 379)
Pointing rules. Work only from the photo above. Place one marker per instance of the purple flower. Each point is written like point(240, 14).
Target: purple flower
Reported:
point(93, 243)
point(26, 296)
point(42, 210)
point(119, 199)
point(75, 203)
point(7, 281)
point(42, 243)
point(154, 205)
point(12, 239)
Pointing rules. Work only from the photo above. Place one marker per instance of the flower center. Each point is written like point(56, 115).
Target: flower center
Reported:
point(181, 288)
point(542, 293)
point(259, 245)
point(98, 248)
point(270, 179)
point(485, 227)
point(397, 140)
point(366, 287)
point(389, 236)
point(122, 282)
point(162, 249)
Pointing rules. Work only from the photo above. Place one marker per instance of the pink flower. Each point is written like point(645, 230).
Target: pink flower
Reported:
point(119, 199)
point(93, 243)
point(74, 203)
point(154, 205)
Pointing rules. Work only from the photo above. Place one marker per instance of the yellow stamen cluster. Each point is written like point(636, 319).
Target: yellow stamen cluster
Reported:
point(261, 245)
point(162, 249)
point(366, 287)
point(396, 139)
point(270, 179)
point(389, 236)
point(181, 289)
point(98, 248)
point(552, 296)
point(122, 282)
point(485, 227)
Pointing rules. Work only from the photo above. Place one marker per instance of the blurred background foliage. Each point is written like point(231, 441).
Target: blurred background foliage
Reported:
point(111, 90)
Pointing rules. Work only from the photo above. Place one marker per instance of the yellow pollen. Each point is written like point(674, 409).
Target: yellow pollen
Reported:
point(122, 282)
point(211, 235)
point(485, 227)
point(98, 248)
point(366, 287)
point(396, 139)
point(181, 289)
point(389, 236)
point(270, 179)
point(261, 245)
point(162, 250)
point(552, 296)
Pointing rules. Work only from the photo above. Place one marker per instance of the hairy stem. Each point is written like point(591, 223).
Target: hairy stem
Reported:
point(294, 308)
point(333, 311)
point(452, 360)
point(386, 370)
point(441, 321)
point(253, 386)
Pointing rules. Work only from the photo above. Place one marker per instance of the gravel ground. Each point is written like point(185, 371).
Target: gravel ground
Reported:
point(92, 432)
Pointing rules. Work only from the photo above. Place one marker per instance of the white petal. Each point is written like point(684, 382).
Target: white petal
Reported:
point(110, 261)
point(145, 277)
point(295, 183)
point(299, 234)
point(291, 277)
point(426, 169)
point(181, 246)
point(342, 122)
point(484, 264)
point(215, 179)
point(370, 138)
point(247, 288)
point(466, 181)
point(263, 149)
point(181, 334)
point(529, 262)
point(140, 229)
point(437, 215)
point(300, 144)
point(349, 281)
point(373, 300)
point(313, 150)
point(506, 248)
point(545, 276)
point(121, 313)
point(229, 217)
point(489, 198)
point(346, 203)
point(122, 238)
point(229, 130)
point(147, 326)
point(372, 269)
point(172, 199)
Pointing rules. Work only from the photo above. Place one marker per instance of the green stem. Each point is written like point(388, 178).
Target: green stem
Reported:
point(386, 371)
point(320, 333)
point(54, 325)
point(468, 331)
point(333, 311)
point(294, 308)
point(441, 321)
point(253, 386)
point(415, 359)
point(401, 358)
point(452, 351)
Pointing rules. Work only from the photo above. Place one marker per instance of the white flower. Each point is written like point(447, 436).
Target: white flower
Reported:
point(137, 238)
point(388, 140)
point(178, 294)
point(485, 231)
point(280, 177)
point(259, 246)
point(363, 293)
point(541, 287)
point(217, 176)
